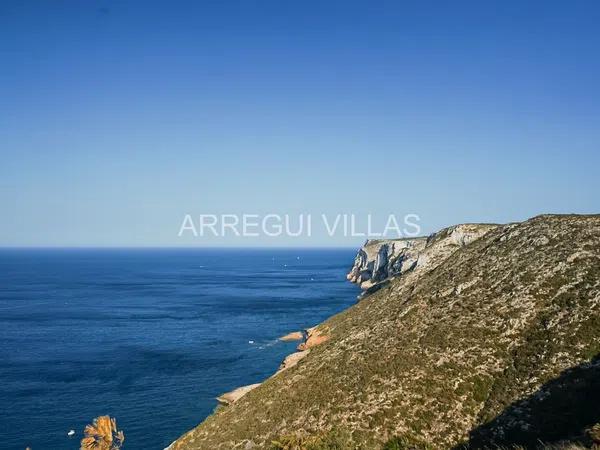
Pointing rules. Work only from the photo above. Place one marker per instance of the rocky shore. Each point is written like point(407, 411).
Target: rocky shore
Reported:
point(293, 336)
point(310, 337)
point(376, 262)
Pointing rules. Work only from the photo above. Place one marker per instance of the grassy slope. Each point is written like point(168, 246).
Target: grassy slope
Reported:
point(432, 356)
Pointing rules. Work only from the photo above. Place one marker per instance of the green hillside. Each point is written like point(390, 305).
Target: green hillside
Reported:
point(495, 345)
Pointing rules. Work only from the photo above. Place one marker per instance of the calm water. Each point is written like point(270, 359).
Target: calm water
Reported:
point(148, 336)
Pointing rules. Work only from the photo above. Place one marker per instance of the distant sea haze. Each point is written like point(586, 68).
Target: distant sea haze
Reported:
point(150, 337)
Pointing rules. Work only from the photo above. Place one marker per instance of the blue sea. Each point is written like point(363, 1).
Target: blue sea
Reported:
point(150, 337)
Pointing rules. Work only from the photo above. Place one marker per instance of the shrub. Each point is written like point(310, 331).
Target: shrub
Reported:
point(594, 434)
point(406, 443)
point(330, 440)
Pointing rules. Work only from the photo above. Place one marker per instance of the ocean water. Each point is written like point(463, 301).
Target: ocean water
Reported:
point(150, 337)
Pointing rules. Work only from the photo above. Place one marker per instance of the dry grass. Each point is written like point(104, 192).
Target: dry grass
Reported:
point(434, 355)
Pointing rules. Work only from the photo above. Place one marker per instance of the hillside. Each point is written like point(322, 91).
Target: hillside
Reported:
point(494, 343)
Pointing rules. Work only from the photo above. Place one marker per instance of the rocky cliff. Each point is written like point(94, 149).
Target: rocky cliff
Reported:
point(381, 259)
point(490, 335)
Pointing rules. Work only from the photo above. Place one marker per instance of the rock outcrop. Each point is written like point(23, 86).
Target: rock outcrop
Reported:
point(102, 434)
point(381, 259)
point(233, 396)
point(294, 336)
point(292, 359)
point(314, 336)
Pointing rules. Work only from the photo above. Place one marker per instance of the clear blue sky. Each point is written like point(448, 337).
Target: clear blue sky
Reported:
point(119, 117)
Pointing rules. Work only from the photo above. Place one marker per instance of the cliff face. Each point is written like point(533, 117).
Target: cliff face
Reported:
point(381, 259)
point(493, 342)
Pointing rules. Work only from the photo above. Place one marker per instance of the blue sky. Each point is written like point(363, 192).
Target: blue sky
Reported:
point(117, 118)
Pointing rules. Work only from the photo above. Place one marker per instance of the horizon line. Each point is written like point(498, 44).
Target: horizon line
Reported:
point(168, 247)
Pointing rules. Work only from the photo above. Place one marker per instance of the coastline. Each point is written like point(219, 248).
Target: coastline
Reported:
point(444, 320)
point(171, 360)
point(376, 263)
point(310, 337)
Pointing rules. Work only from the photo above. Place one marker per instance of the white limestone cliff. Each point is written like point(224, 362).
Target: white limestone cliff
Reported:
point(380, 259)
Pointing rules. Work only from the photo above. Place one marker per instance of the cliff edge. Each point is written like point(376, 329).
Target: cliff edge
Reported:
point(380, 259)
point(481, 336)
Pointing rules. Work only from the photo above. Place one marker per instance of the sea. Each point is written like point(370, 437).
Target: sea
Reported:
point(148, 336)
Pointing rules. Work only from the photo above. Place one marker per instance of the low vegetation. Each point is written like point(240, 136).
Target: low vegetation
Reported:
point(330, 440)
point(493, 348)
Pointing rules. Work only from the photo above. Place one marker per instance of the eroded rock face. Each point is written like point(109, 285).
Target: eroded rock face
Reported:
point(381, 259)
point(102, 434)
point(314, 337)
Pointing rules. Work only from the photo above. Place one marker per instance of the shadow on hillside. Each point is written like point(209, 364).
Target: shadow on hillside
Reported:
point(560, 410)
